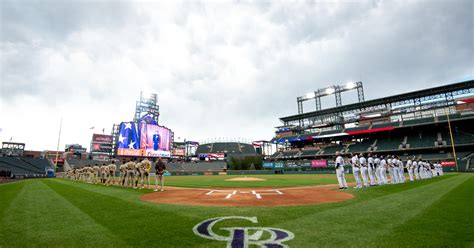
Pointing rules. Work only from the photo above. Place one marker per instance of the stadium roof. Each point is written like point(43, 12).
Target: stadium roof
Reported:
point(386, 100)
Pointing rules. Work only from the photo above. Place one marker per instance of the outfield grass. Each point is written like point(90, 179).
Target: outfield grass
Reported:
point(53, 212)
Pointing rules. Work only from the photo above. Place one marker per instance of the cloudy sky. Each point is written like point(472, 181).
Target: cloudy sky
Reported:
point(221, 69)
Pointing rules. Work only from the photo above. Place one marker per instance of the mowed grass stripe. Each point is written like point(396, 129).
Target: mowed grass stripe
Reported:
point(136, 223)
point(8, 192)
point(133, 196)
point(364, 223)
point(39, 217)
point(447, 223)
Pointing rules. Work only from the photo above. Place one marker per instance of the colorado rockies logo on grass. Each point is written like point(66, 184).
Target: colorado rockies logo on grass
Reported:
point(240, 237)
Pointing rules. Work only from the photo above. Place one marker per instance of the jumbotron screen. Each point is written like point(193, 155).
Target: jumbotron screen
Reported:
point(141, 139)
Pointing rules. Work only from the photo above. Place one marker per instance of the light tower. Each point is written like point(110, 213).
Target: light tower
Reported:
point(335, 89)
point(147, 108)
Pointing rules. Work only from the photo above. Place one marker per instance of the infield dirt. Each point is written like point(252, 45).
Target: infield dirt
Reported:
point(248, 197)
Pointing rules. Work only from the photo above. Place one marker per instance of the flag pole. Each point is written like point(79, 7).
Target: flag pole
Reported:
point(57, 148)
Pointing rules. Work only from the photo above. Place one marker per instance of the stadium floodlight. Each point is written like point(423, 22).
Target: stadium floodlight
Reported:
point(350, 85)
point(310, 95)
point(330, 91)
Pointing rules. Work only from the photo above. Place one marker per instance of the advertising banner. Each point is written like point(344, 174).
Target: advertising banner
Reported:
point(102, 138)
point(179, 152)
point(305, 164)
point(448, 163)
point(278, 165)
point(291, 164)
point(319, 163)
point(216, 155)
point(75, 148)
point(268, 165)
point(129, 152)
point(97, 147)
point(159, 153)
point(101, 157)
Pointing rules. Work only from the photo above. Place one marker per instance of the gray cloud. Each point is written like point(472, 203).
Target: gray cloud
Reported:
point(220, 69)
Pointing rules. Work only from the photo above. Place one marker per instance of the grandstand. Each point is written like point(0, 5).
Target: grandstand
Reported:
point(24, 167)
point(197, 166)
point(226, 148)
point(414, 123)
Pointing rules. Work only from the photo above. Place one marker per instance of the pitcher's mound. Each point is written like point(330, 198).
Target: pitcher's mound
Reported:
point(246, 179)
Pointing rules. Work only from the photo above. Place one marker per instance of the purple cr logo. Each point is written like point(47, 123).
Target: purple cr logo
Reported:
point(242, 237)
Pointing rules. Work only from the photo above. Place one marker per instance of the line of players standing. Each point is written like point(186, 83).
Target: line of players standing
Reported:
point(372, 171)
point(132, 173)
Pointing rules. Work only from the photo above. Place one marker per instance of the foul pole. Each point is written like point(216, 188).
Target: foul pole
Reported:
point(57, 148)
point(452, 142)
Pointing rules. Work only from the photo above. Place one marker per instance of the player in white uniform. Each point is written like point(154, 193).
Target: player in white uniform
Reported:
point(434, 169)
point(390, 168)
point(356, 171)
point(440, 168)
point(416, 169)
point(429, 174)
point(395, 164)
point(422, 169)
point(363, 169)
point(383, 169)
point(371, 170)
point(410, 168)
point(340, 172)
point(401, 170)
point(378, 169)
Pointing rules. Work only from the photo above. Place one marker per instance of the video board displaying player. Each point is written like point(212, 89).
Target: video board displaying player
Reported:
point(155, 140)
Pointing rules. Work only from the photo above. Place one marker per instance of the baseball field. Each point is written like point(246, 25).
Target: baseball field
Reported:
point(437, 212)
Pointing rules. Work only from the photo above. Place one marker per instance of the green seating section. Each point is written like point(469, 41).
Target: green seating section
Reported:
point(330, 132)
point(247, 149)
point(290, 153)
point(24, 166)
point(418, 121)
point(460, 137)
point(364, 127)
point(309, 153)
point(422, 139)
point(226, 147)
point(329, 150)
point(388, 144)
point(436, 156)
point(362, 146)
point(204, 148)
point(387, 124)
